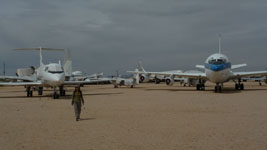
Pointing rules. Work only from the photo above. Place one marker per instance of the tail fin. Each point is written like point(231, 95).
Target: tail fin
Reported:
point(136, 76)
point(140, 67)
point(68, 64)
point(219, 38)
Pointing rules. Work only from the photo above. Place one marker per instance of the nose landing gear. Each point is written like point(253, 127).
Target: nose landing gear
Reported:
point(200, 86)
point(218, 88)
point(55, 96)
point(239, 85)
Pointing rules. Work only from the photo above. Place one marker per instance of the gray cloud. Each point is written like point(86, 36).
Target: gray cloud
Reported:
point(109, 35)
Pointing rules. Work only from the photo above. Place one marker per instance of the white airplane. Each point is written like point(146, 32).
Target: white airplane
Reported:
point(147, 77)
point(50, 75)
point(218, 69)
point(132, 82)
point(78, 75)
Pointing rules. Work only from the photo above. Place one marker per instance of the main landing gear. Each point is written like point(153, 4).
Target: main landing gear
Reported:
point(29, 91)
point(40, 90)
point(200, 86)
point(239, 85)
point(62, 92)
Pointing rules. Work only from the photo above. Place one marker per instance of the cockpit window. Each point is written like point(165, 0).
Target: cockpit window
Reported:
point(217, 61)
point(46, 68)
point(55, 69)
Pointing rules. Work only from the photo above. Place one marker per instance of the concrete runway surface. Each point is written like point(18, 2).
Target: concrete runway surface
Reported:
point(148, 117)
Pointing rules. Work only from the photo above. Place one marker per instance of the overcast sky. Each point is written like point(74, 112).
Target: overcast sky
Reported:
point(109, 35)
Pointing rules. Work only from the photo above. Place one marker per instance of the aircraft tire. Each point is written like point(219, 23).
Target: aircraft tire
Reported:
point(241, 86)
point(236, 86)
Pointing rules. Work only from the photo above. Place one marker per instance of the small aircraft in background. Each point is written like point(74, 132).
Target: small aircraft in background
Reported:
point(46, 75)
point(78, 75)
point(147, 77)
point(121, 81)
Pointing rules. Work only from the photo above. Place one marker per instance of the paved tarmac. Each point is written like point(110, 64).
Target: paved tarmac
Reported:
point(148, 117)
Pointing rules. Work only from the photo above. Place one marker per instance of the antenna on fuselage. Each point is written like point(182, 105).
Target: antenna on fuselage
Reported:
point(219, 38)
point(40, 49)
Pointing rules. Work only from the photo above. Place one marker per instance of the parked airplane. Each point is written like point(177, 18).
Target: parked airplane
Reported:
point(47, 75)
point(78, 75)
point(218, 70)
point(132, 82)
point(146, 77)
point(256, 79)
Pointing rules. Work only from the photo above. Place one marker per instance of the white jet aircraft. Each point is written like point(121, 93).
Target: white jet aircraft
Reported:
point(50, 75)
point(218, 69)
point(132, 82)
point(146, 77)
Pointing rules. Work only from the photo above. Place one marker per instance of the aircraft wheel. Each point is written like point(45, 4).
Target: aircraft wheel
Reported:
point(203, 87)
point(132, 86)
point(62, 93)
point(236, 86)
point(198, 87)
point(40, 91)
point(55, 95)
point(115, 86)
point(241, 86)
point(220, 89)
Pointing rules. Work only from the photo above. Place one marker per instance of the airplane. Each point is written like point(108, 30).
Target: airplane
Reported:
point(78, 75)
point(132, 82)
point(217, 69)
point(146, 77)
point(47, 75)
point(256, 79)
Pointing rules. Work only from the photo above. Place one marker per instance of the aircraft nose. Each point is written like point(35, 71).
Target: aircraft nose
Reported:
point(216, 67)
point(59, 79)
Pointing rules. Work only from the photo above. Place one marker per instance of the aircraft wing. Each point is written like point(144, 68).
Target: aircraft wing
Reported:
point(27, 79)
point(37, 83)
point(237, 75)
point(197, 75)
point(85, 82)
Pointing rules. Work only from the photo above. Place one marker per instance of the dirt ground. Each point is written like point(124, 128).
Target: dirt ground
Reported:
point(148, 117)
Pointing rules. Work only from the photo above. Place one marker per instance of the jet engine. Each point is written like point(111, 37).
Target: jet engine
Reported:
point(169, 81)
point(25, 71)
point(144, 78)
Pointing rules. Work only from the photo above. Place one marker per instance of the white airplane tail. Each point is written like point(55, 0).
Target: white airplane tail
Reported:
point(136, 77)
point(140, 67)
point(67, 64)
point(40, 49)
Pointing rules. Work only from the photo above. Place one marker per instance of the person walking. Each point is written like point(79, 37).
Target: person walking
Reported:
point(77, 101)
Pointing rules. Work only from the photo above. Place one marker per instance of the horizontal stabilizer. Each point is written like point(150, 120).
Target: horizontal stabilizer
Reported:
point(200, 66)
point(238, 66)
point(40, 48)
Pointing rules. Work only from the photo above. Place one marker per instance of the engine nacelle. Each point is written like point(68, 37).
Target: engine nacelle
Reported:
point(144, 78)
point(169, 81)
point(21, 72)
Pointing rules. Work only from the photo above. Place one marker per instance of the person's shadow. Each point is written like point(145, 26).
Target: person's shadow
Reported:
point(84, 119)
